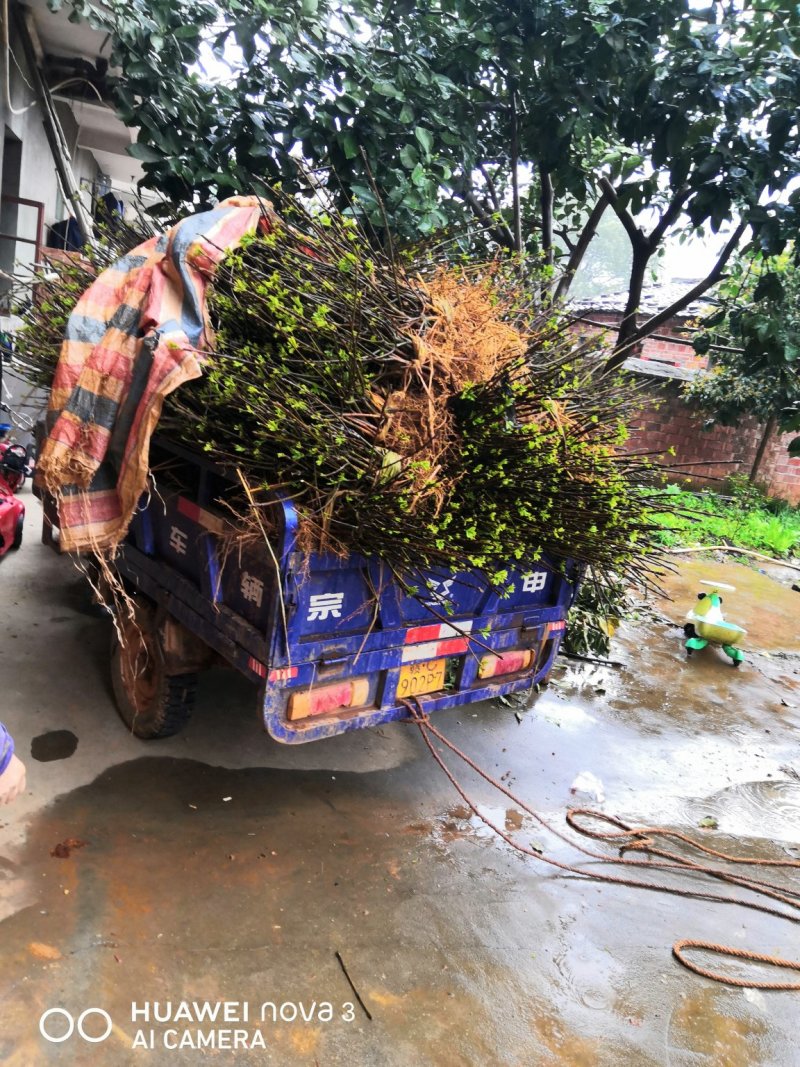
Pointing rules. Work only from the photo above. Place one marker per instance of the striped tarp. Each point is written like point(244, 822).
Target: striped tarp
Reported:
point(137, 333)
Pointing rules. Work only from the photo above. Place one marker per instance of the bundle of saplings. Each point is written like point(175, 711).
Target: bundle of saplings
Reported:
point(429, 412)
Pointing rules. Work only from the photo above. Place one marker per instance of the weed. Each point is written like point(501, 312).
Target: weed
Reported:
point(744, 520)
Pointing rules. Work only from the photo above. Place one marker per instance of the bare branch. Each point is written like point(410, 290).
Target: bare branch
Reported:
point(491, 187)
point(546, 201)
point(622, 352)
point(563, 233)
point(495, 224)
point(670, 215)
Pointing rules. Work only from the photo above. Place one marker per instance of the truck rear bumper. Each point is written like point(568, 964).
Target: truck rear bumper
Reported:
point(392, 708)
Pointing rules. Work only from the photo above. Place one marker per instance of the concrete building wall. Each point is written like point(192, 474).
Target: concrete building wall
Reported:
point(38, 178)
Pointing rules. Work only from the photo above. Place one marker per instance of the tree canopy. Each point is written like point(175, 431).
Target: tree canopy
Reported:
point(529, 119)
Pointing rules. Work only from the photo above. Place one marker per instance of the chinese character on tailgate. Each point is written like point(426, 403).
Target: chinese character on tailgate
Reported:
point(324, 605)
point(534, 583)
point(441, 590)
point(178, 540)
point(252, 588)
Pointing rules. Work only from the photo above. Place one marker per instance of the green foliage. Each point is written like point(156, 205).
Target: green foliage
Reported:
point(428, 415)
point(754, 343)
point(443, 104)
point(746, 520)
point(317, 387)
point(600, 606)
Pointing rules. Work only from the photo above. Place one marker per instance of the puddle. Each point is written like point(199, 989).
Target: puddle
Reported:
point(706, 1026)
point(769, 809)
point(54, 745)
point(461, 822)
point(569, 716)
point(766, 609)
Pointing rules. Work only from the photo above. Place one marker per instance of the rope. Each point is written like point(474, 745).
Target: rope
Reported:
point(636, 838)
point(739, 953)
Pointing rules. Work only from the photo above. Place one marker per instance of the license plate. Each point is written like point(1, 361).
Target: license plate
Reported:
point(418, 678)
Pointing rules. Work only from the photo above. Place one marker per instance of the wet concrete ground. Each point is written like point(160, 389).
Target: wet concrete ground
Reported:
point(220, 865)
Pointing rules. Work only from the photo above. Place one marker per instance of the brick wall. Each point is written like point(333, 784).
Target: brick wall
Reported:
point(704, 456)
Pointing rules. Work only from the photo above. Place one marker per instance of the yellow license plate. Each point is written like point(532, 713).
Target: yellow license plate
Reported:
point(418, 678)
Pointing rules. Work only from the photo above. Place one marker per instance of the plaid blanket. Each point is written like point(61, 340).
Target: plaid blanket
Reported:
point(137, 333)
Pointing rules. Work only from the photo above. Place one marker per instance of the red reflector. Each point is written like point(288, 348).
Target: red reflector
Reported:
point(452, 647)
point(507, 663)
point(327, 698)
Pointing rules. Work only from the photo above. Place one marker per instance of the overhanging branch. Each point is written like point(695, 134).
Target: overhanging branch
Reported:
point(670, 215)
point(494, 223)
point(637, 238)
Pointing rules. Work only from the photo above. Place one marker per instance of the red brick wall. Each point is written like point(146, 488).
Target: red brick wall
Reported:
point(663, 349)
point(705, 456)
point(670, 344)
point(667, 422)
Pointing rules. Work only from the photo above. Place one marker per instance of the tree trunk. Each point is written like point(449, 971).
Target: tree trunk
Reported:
point(627, 327)
point(516, 208)
point(546, 202)
point(762, 447)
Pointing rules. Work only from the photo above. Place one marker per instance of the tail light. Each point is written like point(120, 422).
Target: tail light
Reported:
point(324, 699)
point(505, 663)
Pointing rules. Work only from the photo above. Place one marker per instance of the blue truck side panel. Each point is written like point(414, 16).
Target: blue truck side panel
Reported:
point(293, 621)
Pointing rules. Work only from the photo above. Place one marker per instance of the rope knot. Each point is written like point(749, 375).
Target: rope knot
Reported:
point(415, 709)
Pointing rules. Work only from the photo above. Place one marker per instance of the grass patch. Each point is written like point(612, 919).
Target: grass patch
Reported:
point(746, 519)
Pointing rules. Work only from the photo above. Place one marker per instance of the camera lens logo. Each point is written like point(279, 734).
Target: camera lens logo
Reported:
point(57, 1031)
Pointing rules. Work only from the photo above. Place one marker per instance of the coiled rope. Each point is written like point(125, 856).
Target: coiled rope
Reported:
point(639, 839)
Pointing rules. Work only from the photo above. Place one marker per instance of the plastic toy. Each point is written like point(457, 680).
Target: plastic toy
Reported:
point(706, 625)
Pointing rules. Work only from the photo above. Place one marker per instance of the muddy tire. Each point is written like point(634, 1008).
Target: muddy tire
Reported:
point(689, 630)
point(151, 703)
point(17, 542)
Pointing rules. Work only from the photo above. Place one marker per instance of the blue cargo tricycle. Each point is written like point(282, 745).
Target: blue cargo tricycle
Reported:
point(334, 644)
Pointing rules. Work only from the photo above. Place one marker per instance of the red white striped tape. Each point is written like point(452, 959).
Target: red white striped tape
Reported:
point(436, 641)
point(437, 632)
point(282, 674)
point(214, 523)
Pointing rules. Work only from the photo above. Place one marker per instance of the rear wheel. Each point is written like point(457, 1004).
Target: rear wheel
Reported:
point(151, 702)
point(17, 542)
